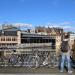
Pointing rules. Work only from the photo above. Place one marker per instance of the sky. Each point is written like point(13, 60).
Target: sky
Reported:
point(32, 13)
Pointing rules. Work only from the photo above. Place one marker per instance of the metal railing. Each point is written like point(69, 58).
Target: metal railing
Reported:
point(34, 60)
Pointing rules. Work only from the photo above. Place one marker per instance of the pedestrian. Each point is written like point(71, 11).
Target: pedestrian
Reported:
point(65, 54)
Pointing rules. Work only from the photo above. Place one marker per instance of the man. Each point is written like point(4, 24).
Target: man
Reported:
point(65, 54)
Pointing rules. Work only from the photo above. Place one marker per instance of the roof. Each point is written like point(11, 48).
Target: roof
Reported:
point(9, 31)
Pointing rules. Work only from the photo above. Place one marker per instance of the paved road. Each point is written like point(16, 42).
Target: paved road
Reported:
point(37, 74)
point(28, 71)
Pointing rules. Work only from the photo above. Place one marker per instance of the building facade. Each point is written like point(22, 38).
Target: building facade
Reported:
point(13, 40)
point(9, 39)
point(72, 38)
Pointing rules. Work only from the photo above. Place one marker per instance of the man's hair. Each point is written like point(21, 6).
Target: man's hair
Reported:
point(66, 36)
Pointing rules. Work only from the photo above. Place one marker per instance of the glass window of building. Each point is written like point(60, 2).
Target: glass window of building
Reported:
point(2, 39)
point(8, 39)
point(14, 39)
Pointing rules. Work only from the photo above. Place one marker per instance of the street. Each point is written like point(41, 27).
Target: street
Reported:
point(29, 71)
point(37, 74)
point(32, 74)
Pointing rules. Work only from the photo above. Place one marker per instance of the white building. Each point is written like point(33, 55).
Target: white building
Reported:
point(72, 38)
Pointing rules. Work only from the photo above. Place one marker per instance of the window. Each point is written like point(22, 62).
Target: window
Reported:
point(13, 39)
point(2, 39)
point(8, 39)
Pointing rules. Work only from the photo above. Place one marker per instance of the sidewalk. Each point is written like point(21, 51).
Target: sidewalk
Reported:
point(41, 70)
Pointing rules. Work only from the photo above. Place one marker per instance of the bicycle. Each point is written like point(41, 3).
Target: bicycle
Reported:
point(51, 61)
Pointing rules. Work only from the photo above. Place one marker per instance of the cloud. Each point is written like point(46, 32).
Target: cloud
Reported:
point(60, 26)
point(65, 25)
point(23, 25)
point(19, 25)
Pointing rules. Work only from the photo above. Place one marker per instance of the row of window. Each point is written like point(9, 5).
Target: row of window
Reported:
point(10, 44)
point(6, 46)
point(37, 40)
point(8, 39)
